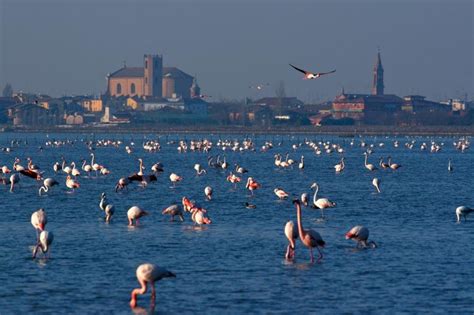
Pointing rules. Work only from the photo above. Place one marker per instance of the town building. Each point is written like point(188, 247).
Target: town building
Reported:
point(150, 81)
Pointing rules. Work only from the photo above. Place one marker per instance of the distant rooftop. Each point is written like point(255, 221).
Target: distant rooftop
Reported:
point(128, 72)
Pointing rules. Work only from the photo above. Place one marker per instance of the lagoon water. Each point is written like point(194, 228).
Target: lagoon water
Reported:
point(424, 262)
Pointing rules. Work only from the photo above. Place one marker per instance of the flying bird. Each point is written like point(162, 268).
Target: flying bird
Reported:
point(310, 75)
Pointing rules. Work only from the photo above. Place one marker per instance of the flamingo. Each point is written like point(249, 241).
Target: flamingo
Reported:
point(66, 169)
point(291, 234)
point(376, 183)
point(224, 164)
point(340, 166)
point(393, 166)
point(39, 220)
point(281, 194)
point(301, 164)
point(174, 178)
point(45, 240)
point(187, 204)
point(382, 164)
point(149, 274)
point(309, 238)
point(252, 185)
point(321, 203)
point(240, 169)
point(96, 167)
point(199, 169)
point(157, 168)
point(122, 183)
point(57, 167)
point(135, 213)
point(198, 217)
point(370, 167)
point(463, 211)
point(104, 171)
point(5, 169)
point(47, 184)
point(304, 199)
point(140, 168)
point(86, 167)
point(277, 160)
point(310, 75)
point(360, 234)
point(14, 179)
point(74, 171)
point(173, 211)
point(72, 183)
point(208, 192)
point(31, 166)
point(234, 179)
point(108, 209)
point(16, 166)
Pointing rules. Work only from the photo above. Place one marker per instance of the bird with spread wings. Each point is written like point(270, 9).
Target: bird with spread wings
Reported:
point(310, 75)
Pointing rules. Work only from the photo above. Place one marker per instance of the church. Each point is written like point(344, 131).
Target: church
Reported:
point(151, 81)
point(370, 107)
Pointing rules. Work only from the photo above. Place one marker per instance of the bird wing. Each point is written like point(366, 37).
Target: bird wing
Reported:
point(298, 69)
point(323, 73)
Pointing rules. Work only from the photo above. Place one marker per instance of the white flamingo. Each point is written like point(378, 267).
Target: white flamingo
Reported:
point(148, 274)
point(321, 203)
point(208, 192)
point(135, 213)
point(376, 183)
point(463, 211)
point(370, 167)
point(47, 184)
point(291, 234)
point(45, 240)
point(360, 234)
point(173, 211)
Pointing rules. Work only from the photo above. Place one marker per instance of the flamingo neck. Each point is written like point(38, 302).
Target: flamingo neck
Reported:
point(301, 231)
point(315, 196)
point(83, 164)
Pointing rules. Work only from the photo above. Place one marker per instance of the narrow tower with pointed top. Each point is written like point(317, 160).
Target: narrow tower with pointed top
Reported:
point(377, 84)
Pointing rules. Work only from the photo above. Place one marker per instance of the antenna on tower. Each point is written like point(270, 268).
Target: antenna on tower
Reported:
point(125, 64)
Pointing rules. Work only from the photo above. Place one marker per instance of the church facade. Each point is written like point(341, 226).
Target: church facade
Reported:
point(150, 81)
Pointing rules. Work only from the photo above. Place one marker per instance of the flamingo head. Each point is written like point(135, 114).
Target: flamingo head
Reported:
point(314, 185)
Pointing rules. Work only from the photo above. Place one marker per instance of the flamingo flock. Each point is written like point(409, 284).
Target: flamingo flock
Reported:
point(76, 177)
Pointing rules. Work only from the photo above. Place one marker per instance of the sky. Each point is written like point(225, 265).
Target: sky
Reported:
point(60, 47)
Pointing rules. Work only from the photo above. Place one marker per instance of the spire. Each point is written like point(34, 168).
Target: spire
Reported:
point(377, 83)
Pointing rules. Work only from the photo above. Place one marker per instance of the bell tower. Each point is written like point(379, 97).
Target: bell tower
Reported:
point(153, 75)
point(377, 84)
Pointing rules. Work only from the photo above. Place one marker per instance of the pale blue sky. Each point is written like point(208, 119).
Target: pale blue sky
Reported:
point(69, 46)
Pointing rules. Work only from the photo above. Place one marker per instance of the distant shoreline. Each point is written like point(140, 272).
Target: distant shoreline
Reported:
point(348, 131)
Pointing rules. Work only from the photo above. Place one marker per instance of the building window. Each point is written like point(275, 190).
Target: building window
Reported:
point(119, 88)
point(132, 88)
point(146, 64)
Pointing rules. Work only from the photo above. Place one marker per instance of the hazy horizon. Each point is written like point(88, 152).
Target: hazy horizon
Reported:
point(68, 47)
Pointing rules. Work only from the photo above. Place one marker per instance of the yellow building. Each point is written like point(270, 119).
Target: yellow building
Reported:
point(133, 103)
point(92, 105)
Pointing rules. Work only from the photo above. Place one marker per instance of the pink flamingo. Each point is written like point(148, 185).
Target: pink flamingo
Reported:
point(309, 238)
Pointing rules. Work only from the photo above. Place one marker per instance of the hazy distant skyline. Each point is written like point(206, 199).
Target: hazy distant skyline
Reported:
point(68, 47)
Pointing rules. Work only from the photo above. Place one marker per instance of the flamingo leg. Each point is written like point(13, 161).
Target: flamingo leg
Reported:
point(153, 294)
point(288, 253)
point(311, 252)
point(320, 254)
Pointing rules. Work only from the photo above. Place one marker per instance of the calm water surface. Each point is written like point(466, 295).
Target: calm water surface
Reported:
point(424, 262)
